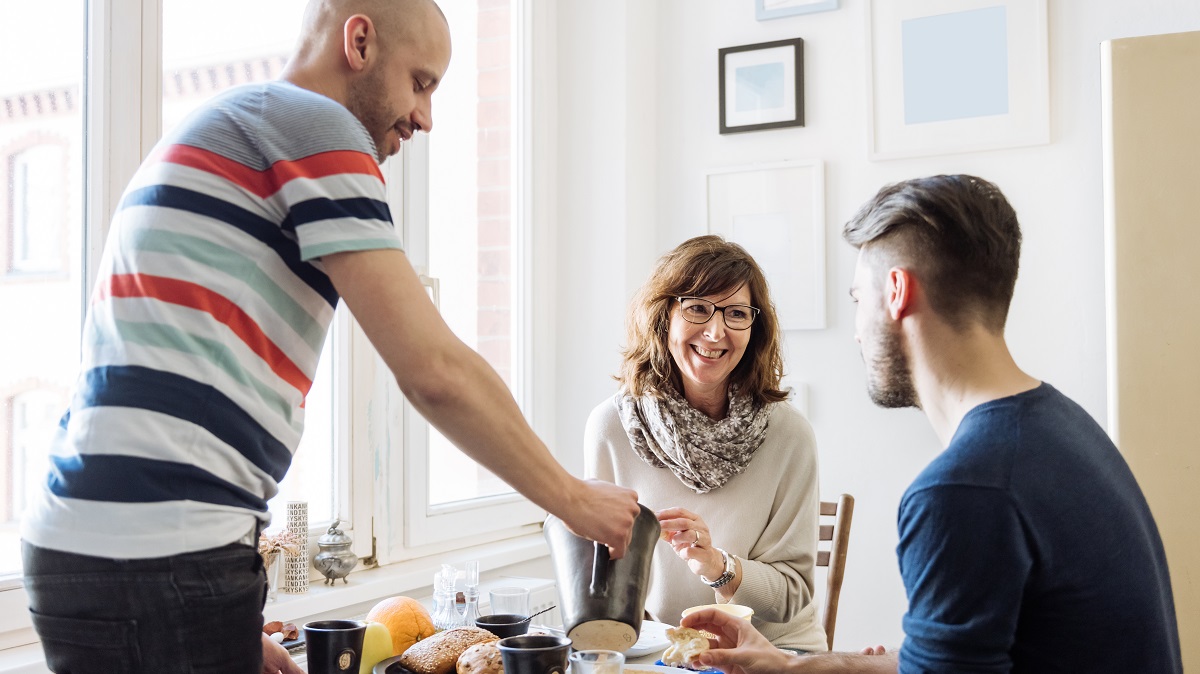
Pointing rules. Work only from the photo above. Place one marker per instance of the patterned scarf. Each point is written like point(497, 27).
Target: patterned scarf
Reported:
point(704, 454)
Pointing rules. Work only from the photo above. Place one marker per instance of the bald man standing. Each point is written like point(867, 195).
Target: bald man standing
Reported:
point(226, 257)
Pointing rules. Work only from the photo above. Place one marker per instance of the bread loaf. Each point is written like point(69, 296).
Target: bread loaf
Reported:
point(481, 659)
point(439, 653)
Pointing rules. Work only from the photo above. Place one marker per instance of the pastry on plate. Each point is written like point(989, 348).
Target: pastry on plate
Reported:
point(481, 659)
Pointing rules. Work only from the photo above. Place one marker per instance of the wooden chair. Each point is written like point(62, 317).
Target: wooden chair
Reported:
point(837, 534)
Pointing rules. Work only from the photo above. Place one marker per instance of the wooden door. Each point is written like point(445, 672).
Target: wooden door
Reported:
point(1152, 244)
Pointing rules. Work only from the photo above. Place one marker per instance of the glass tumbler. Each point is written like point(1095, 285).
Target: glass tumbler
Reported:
point(514, 600)
point(597, 662)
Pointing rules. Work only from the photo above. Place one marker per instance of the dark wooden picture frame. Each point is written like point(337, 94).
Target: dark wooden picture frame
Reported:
point(742, 59)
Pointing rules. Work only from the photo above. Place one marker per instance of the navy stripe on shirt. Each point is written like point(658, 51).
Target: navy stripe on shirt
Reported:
point(133, 479)
point(187, 400)
point(270, 234)
point(357, 208)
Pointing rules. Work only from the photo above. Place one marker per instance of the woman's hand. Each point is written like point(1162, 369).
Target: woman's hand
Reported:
point(689, 537)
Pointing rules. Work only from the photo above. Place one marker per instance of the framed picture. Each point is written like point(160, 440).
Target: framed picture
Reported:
point(762, 86)
point(777, 213)
point(956, 76)
point(774, 9)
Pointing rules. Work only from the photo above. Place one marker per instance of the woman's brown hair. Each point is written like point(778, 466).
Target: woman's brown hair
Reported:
point(704, 265)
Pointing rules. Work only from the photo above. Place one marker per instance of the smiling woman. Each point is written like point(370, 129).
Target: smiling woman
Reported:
point(701, 430)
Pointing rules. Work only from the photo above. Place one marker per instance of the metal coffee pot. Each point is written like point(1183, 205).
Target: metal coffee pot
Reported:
point(602, 600)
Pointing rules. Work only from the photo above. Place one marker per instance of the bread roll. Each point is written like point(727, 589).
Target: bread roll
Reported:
point(481, 659)
point(686, 645)
point(439, 653)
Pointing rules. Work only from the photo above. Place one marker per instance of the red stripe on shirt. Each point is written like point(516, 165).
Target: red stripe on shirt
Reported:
point(265, 183)
point(193, 296)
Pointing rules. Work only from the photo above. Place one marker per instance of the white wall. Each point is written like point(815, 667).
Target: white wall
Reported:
point(606, 197)
point(637, 126)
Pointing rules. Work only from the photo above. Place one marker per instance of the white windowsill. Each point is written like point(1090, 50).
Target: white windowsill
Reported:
point(366, 586)
point(371, 585)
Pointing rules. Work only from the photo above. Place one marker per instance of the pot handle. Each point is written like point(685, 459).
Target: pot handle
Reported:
point(599, 586)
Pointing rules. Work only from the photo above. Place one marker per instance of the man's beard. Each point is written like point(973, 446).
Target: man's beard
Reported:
point(366, 102)
point(889, 381)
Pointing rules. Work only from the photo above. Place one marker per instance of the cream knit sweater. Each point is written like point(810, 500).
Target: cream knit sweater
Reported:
point(766, 516)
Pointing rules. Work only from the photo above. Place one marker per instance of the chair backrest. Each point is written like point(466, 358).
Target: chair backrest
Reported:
point(837, 534)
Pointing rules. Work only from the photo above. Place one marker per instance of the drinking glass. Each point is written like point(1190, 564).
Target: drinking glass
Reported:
point(514, 600)
point(597, 662)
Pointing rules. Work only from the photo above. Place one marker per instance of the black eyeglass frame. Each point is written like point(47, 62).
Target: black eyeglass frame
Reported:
point(754, 312)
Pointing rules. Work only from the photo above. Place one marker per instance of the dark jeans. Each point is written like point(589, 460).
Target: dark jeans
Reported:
point(195, 613)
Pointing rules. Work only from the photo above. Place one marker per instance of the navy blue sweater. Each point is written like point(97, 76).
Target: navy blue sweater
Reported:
point(1027, 546)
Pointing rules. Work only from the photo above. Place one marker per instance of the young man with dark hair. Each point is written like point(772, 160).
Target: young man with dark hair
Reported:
point(1026, 545)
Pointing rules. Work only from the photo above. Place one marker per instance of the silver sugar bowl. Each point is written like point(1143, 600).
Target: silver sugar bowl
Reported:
point(335, 559)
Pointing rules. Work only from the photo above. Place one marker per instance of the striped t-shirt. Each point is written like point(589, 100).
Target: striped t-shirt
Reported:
point(208, 316)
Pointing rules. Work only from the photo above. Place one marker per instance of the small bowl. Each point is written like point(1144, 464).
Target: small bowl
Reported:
point(504, 624)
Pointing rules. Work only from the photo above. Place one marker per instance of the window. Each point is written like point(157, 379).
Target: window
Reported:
point(37, 208)
point(470, 233)
point(34, 417)
point(41, 243)
point(470, 224)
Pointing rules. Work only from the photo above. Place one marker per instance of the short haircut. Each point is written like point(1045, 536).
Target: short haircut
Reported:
point(704, 265)
point(957, 233)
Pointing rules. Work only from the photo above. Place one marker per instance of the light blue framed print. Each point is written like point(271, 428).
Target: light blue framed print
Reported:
point(776, 9)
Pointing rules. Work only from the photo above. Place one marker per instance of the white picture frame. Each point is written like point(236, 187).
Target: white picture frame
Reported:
point(947, 76)
point(777, 9)
point(777, 213)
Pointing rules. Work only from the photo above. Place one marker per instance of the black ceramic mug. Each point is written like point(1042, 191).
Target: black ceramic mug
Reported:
point(534, 654)
point(334, 646)
point(602, 600)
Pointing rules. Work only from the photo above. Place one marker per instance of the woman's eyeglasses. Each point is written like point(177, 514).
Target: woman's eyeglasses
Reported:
point(699, 310)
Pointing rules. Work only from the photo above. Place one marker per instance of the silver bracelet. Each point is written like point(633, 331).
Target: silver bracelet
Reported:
point(729, 573)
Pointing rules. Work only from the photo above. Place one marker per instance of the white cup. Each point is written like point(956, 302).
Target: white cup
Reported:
point(735, 610)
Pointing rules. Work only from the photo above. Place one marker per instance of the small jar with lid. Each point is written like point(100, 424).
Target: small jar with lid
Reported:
point(335, 559)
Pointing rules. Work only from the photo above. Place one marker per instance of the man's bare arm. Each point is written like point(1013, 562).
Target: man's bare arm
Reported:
point(463, 397)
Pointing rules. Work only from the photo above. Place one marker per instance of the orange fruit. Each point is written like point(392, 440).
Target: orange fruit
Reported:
point(406, 619)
